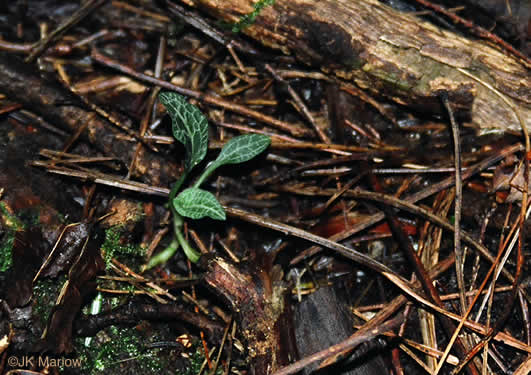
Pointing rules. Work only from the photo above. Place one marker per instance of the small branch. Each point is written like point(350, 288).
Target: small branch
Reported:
point(459, 259)
point(478, 30)
point(364, 334)
point(290, 128)
point(300, 104)
point(81, 13)
point(422, 275)
point(365, 260)
point(132, 313)
point(104, 179)
point(444, 184)
point(404, 205)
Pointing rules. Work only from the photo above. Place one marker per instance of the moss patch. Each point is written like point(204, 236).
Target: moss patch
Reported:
point(114, 247)
point(45, 293)
point(119, 350)
point(11, 225)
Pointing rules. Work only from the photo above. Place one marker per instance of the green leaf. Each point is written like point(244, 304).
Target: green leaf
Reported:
point(242, 148)
point(237, 150)
point(189, 127)
point(196, 203)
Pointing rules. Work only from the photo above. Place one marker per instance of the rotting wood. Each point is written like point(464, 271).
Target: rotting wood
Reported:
point(322, 320)
point(262, 306)
point(392, 54)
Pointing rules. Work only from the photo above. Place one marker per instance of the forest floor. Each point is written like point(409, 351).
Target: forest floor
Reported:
point(354, 191)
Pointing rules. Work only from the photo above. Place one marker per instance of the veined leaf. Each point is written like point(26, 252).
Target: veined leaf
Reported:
point(242, 148)
point(189, 126)
point(237, 150)
point(196, 203)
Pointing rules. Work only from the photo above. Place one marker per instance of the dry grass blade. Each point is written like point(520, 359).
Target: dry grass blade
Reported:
point(209, 99)
point(401, 204)
point(459, 259)
point(414, 198)
point(496, 266)
point(503, 337)
point(524, 369)
point(420, 271)
point(365, 260)
point(104, 179)
point(81, 13)
point(341, 93)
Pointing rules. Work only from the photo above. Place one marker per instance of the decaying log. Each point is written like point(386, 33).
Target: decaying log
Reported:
point(392, 54)
point(322, 320)
point(262, 311)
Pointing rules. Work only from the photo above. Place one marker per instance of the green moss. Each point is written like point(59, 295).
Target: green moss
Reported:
point(10, 220)
point(6, 247)
point(248, 19)
point(12, 225)
point(30, 216)
point(196, 361)
point(114, 247)
point(45, 292)
point(120, 352)
point(115, 302)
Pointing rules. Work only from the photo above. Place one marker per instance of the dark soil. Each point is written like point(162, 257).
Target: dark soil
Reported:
point(83, 205)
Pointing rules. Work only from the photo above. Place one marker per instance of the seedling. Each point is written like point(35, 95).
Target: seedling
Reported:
point(190, 128)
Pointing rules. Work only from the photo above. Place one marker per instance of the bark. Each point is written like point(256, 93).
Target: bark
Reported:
point(323, 320)
point(262, 310)
point(392, 54)
point(133, 312)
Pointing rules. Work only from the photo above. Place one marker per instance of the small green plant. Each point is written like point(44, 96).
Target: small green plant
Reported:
point(190, 128)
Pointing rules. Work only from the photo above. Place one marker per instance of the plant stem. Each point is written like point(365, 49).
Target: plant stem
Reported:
point(177, 220)
point(175, 189)
point(177, 225)
point(188, 250)
point(164, 255)
point(208, 171)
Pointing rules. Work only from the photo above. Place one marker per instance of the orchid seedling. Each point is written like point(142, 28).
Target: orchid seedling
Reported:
point(190, 127)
